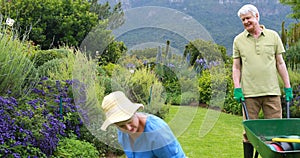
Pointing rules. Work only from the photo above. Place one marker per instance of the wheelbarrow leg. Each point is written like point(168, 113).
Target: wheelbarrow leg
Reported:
point(256, 154)
point(248, 150)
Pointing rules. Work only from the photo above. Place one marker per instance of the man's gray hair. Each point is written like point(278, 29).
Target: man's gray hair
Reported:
point(248, 8)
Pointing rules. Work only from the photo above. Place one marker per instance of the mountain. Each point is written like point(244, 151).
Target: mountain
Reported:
point(218, 17)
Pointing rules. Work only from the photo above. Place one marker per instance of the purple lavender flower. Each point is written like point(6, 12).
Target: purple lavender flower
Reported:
point(44, 78)
point(130, 66)
point(145, 62)
point(42, 111)
point(69, 82)
point(171, 65)
point(199, 61)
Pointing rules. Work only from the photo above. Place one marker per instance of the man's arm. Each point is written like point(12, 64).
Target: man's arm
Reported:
point(236, 72)
point(282, 70)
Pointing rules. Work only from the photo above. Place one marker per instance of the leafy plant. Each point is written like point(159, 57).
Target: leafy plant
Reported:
point(72, 147)
point(189, 97)
point(205, 87)
point(294, 76)
point(292, 56)
point(231, 106)
point(42, 56)
point(52, 67)
point(60, 67)
point(145, 88)
point(168, 77)
point(295, 7)
point(18, 74)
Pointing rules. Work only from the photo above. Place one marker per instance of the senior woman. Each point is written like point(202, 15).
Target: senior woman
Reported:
point(141, 135)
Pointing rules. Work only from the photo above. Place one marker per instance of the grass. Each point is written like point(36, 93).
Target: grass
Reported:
point(222, 140)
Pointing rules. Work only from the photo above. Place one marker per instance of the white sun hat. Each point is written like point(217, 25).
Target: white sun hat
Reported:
point(117, 108)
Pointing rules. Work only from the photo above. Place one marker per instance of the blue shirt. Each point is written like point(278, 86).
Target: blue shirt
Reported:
point(157, 140)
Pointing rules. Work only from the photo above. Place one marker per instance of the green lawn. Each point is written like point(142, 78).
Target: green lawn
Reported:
point(224, 140)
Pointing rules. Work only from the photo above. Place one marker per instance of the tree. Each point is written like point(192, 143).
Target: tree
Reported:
point(200, 49)
point(112, 53)
point(100, 44)
point(104, 11)
point(295, 5)
point(290, 37)
point(52, 23)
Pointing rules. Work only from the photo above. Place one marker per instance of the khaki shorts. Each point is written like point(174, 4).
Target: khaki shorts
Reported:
point(270, 106)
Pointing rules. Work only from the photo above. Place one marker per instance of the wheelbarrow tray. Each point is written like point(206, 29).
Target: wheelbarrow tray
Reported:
point(261, 130)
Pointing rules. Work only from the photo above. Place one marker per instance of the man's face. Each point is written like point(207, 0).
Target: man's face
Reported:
point(249, 21)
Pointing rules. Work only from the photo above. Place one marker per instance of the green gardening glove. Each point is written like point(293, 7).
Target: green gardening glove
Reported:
point(288, 94)
point(238, 94)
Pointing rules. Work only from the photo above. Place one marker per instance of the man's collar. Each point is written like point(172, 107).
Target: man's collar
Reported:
point(263, 30)
point(247, 34)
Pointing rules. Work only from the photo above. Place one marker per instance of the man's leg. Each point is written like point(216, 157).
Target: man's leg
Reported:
point(272, 107)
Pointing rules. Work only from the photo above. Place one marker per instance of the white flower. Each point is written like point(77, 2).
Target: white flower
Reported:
point(131, 71)
point(10, 22)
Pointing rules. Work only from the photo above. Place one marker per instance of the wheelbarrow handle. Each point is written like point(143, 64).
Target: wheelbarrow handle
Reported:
point(245, 110)
point(247, 118)
point(287, 109)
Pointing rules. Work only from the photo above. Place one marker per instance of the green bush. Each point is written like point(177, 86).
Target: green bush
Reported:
point(65, 66)
point(145, 88)
point(189, 89)
point(169, 81)
point(50, 67)
point(205, 90)
point(141, 86)
point(105, 73)
point(294, 111)
point(294, 106)
point(109, 68)
point(43, 56)
point(292, 57)
point(58, 68)
point(188, 98)
point(231, 106)
point(71, 147)
point(215, 85)
point(174, 99)
point(105, 142)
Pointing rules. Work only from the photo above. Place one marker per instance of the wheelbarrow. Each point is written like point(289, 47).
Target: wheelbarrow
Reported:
point(262, 132)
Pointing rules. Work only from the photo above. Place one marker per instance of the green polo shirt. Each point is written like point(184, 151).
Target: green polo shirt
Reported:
point(258, 72)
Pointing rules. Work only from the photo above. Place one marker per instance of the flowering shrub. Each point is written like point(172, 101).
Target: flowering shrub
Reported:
point(57, 97)
point(32, 127)
point(16, 137)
